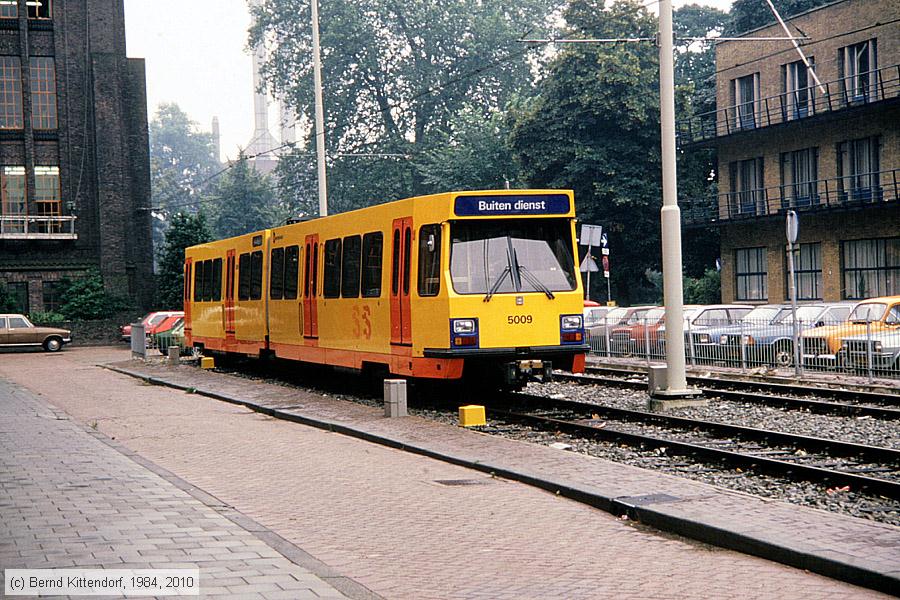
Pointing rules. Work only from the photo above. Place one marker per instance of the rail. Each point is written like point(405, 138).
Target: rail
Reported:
point(861, 89)
point(863, 189)
point(27, 227)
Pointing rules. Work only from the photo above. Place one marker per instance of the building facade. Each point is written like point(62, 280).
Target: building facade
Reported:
point(74, 152)
point(829, 151)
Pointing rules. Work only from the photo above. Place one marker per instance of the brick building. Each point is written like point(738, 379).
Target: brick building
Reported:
point(831, 153)
point(74, 152)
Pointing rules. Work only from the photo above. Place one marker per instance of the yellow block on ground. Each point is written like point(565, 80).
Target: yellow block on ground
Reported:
point(207, 362)
point(471, 415)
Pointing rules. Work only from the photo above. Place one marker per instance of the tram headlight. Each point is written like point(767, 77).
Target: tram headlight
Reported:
point(571, 322)
point(463, 326)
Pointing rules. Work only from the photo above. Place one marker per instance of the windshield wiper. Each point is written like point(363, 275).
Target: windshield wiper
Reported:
point(498, 283)
point(530, 277)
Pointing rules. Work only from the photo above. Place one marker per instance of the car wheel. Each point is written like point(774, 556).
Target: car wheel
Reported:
point(784, 354)
point(53, 344)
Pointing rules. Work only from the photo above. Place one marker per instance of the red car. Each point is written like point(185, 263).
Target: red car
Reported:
point(154, 322)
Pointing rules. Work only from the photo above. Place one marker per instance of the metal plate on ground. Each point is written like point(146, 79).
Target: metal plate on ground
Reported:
point(647, 499)
point(460, 482)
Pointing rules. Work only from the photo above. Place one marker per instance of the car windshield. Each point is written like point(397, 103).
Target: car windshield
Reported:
point(616, 315)
point(654, 316)
point(761, 315)
point(156, 320)
point(512, 256)
point(805, 314)
point(593, 316)
point(867, 312)
point(637, 316)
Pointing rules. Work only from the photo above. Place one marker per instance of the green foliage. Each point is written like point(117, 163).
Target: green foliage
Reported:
point(397, 75)
point(594, 128)
point(7, 300)
point(750, 14)
point(85, 298)
point(243, 198)
point(184, 230)
point(47, 318)
point(703, 290)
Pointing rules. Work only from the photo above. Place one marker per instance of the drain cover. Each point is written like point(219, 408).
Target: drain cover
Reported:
point(647, 499)
point(455, 482)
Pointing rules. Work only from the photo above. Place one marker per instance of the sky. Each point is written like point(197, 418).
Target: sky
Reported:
point(196, 57)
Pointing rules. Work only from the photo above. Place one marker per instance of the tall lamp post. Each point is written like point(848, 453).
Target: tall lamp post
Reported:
point(320, 110)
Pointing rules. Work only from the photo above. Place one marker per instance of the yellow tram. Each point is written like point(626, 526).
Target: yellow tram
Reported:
point(477, 283)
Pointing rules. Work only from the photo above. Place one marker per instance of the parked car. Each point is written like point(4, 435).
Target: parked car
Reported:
point(594, 313)
point(758, 342)
point(173, 336)
point(151, 321)
point(882, 348)
point(698, 319)
point(639, 334)
point(598, 335)
point(709, 345)
point(17, 331)
point(822, 344)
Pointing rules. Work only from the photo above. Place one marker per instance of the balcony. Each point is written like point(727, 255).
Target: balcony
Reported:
point(865, 190)
point(862, 89)
point(25, 227)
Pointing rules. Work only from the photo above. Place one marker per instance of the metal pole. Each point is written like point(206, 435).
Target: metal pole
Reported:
point(869, 350)
point(320, 111)
point(608, 290)
point(676, 377)
point(588, 294)
point(795, 325)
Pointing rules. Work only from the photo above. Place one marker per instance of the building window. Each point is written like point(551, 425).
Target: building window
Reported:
point(9, 9)
point(858, 165)
point(747, 194)
point(43, 93)
point(871, 268)
point(808, 270)
point(799, 175)
point(799, 100)
point(51, 292)
point(745, 93)
point(18, 291)
point(39, 9)
point(11, 93)
point(856, 68)
point(12, 200)
point(751, 274)
point(430, 260)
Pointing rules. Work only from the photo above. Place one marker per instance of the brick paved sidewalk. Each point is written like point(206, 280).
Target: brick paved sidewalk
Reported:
point(383, 516)
point(69, 500)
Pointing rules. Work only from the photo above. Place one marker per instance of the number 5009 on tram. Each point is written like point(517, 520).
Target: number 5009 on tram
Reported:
point(481, 285)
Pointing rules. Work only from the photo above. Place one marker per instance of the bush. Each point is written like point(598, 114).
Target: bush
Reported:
point(47, 318)
point(7, 301)
point(86, 299)
point(704, 290)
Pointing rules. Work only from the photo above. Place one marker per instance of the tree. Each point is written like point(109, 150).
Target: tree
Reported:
point(397, 74)
point(182, 159)
point(86, 299)
point(594, 127)
point(750, 14)
point(185, 230)
point(242, 198)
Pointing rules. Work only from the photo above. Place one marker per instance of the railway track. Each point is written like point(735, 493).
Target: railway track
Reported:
point(864, 404)
point(870, 469)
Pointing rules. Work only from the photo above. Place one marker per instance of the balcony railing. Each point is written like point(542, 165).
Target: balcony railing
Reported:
point(867, 189)
point(27, 227)
point(861, 89)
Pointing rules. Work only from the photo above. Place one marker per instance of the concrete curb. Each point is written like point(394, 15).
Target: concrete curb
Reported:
point(835, 568)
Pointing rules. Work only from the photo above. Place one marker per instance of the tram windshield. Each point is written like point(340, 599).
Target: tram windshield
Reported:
point(512, 256)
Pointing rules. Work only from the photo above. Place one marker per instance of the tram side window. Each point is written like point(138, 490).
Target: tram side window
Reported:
point(276, 274)
point(256, 273)
point(291, 271)
point(198, 281)
point(244, 277)
point(350, 267)
point(395, 264)
point(216, 280)
point(372, 248)
point(331, 287)
point(429, 260)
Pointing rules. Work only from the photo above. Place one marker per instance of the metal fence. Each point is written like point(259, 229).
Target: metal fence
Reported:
point(866, 349)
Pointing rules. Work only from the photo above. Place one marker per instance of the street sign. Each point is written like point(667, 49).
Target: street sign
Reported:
point(606, 264)
point(792, 227)
point(591, 235)
point(603, 240)
point(604, 251)
point(589, 265)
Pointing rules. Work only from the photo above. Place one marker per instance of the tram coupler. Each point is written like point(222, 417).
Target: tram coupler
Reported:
point(520, 372)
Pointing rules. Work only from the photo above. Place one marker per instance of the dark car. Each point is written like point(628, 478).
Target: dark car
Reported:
point(16, 331)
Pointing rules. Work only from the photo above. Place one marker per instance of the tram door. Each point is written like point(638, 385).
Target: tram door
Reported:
point(310, 287)
point(401, 249)
point(229, 295)
point(188, 287)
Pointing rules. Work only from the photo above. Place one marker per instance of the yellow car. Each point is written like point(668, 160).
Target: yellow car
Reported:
point(821, 345)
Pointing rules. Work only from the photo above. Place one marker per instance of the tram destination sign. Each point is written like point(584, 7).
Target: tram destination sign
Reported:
point(490, 206)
